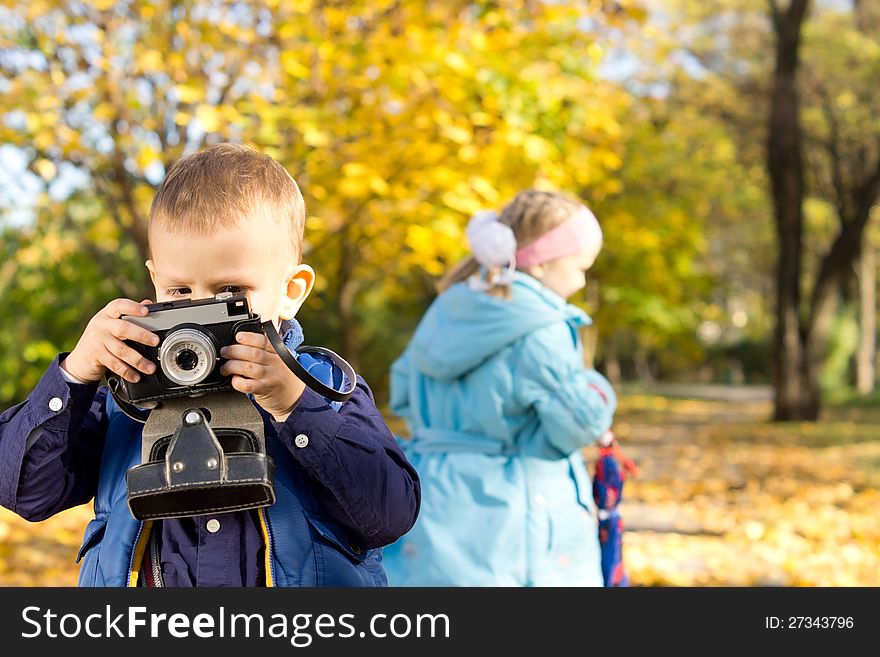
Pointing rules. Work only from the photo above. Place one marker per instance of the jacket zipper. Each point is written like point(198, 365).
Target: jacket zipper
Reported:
point(134, 550)
point(267, 532)
point(155, 564)
point(155, 567)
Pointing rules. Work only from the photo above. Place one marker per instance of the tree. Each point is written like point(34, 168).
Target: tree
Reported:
point(664, 266)
point(843, 146)
point(54, 275)
point(844, 160)
point(399, 118)
point(793, 400)
point(819, 144)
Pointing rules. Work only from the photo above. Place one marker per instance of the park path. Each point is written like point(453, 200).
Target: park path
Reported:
point(725, 498)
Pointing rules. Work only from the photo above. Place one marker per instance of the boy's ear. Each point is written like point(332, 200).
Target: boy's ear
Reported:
point(152, 269)
point(299, 285)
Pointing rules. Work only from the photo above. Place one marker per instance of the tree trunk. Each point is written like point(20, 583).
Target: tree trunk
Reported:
point(794, 398)
point(590, 334)
point(866, 354)
point(612, 368)
point(590, 342)
point(643, 367)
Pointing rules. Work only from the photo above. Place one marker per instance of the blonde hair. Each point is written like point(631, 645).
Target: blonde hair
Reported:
point(530, 214)
point(220, 185)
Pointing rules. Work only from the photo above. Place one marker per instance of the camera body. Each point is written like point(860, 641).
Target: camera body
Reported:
point(191, 335)
point(207, 455)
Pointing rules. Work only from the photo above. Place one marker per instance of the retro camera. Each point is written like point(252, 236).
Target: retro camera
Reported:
point(191, 335)
point(203, 447)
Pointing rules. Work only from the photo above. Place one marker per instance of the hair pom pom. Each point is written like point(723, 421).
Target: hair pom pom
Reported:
point(492, 243)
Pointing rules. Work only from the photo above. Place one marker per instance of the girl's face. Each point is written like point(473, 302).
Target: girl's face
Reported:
point(566, 275)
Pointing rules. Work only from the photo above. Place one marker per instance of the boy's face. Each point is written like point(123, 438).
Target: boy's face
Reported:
point(254, 257)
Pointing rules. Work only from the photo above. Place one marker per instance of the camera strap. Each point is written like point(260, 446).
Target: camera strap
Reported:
point(318, 354)
point(136, 413)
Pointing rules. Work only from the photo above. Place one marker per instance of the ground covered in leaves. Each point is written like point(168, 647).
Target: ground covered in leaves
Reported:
point(723, 498)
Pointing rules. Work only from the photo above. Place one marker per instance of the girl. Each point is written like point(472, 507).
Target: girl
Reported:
point(499, 404)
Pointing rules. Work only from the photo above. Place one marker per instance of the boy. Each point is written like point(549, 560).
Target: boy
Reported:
point(225, 219)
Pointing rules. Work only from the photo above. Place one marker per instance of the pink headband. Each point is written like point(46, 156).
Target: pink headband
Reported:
point(571, 236)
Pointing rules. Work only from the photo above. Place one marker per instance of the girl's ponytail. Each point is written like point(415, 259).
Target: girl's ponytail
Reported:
point(460, 272)
point(490, 268)
point(494, 239)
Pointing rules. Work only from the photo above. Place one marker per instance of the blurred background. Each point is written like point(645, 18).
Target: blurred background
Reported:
point(729, 148)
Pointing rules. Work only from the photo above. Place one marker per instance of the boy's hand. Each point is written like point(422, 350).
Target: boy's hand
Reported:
point(257, 369)
point(101, 346)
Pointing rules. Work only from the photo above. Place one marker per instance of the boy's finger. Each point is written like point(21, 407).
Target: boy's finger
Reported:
point(242, 384)
point(146, 302)
point(243, 352)
point(257, 340)
point(125, 330)
point(113, 364)
point(119, 307)
point(130, 356)
point(244, 368)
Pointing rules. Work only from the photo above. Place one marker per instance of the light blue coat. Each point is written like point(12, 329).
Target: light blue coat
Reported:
point(499, 404)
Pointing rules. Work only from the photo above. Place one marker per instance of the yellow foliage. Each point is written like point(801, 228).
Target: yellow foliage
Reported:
point(468, 154)
point(726, 498)
point(46, 169)
point(378, 186)
point(209, 118)
point(356, 170)
point(36, 9)
point(315, 137)
point(104, 111)
point(150, 60)
point(104, 233)
point(485, 189)
point(536, 148)
point(290, 62)
point(423, 241)
point(464, 203)
point(457, 133)
point(57, 77)
point(846, 100)
point(188, 93)
point(396, 111)
point(478, 41)
point(457, 63)
point(353, 188)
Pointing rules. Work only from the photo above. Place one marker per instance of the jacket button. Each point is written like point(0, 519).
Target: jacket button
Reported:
point(55, 404)
point(213, 525)
point(302, 440)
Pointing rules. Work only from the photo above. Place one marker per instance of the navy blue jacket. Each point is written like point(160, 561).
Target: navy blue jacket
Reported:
point(339, 498)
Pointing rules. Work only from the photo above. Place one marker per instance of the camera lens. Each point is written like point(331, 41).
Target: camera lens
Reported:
point(187, 356)
point(186, 359)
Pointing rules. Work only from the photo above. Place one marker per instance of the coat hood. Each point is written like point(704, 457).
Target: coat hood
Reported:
point(463, 327)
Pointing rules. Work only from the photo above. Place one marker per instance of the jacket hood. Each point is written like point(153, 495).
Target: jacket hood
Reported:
point(465, 327)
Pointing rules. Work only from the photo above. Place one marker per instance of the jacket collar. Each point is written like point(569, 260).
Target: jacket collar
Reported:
point(573, 314)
